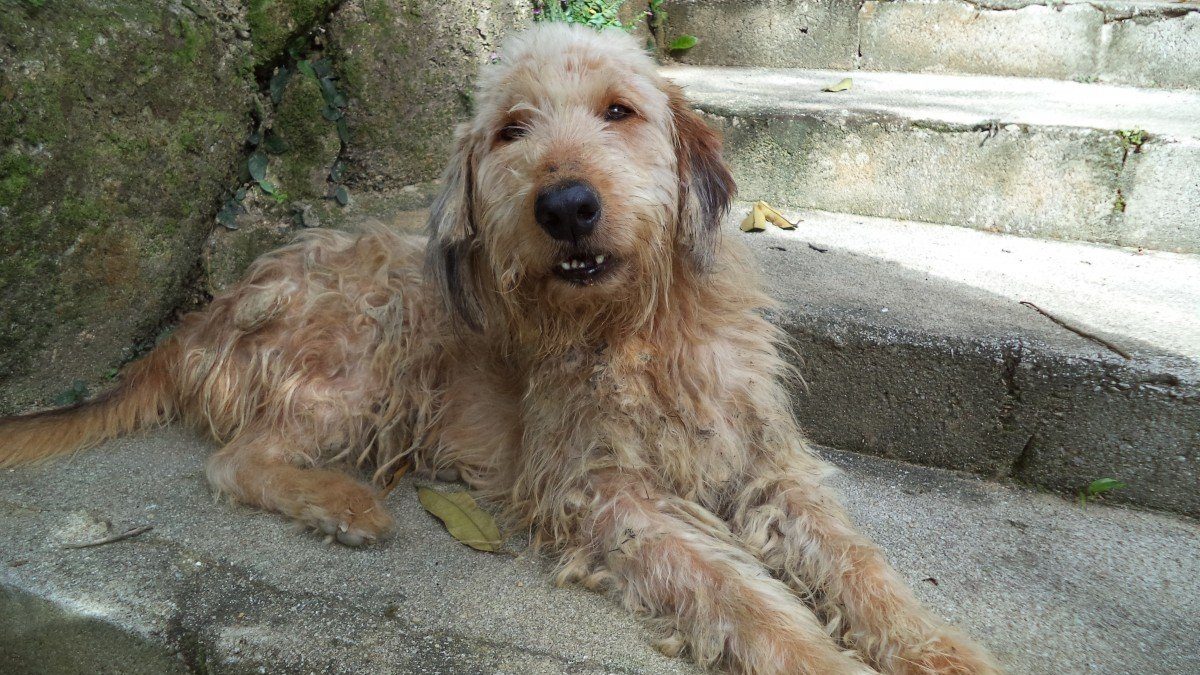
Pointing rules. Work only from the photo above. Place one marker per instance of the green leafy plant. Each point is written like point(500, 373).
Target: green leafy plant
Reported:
point(1133, 139)
point(683, 43)
point(598, 14)
point(1097, 488)
point(257, 165)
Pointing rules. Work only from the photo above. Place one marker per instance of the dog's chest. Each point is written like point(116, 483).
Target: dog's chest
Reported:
point(631, 408)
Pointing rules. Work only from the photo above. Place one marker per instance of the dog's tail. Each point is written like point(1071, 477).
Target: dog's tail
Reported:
point(145, 396)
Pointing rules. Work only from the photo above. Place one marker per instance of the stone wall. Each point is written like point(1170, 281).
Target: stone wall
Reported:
point(126, 127)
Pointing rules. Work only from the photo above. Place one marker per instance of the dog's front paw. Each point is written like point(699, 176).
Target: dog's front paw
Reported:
point(947, 655)
point(350, 513)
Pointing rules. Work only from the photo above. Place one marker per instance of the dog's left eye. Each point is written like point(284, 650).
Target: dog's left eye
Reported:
point(617, 112)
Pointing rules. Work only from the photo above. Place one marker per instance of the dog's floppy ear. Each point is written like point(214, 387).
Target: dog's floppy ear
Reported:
point(705, 185)
point(452, 231)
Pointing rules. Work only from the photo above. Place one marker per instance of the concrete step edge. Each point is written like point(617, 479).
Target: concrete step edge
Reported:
point(905, 356)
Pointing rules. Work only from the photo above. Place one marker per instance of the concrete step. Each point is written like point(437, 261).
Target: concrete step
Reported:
point(1042, 158)
point(1138, 42)
point(915, 346)
point(224, 589)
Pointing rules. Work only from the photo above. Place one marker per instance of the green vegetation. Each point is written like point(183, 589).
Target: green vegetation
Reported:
point(1133, 139)
point(598, 14)
point(1097, 488)
point(274, 23)
point(603, 14)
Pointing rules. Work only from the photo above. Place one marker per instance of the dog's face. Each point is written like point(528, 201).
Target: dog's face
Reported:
point(583, 180)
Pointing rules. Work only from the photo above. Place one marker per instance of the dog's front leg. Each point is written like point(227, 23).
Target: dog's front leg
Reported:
point(266, 469)
point(673, 559)
point(799, 530)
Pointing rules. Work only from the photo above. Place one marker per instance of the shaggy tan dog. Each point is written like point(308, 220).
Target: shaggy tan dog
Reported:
point(580, 343)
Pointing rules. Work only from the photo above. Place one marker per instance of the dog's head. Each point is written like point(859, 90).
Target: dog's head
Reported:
point(584, 182)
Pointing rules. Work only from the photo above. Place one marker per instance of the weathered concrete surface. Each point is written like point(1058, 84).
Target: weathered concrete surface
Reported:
point(774, 33)
point(1160, 191)
point(1154, 51)
point(961, 37)
point(1147, 43)
point(915, 346)
point(120, 121)
point(1032, 157)
point(222, 589)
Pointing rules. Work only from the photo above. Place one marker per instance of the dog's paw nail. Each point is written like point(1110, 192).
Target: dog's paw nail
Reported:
point(350, 538)
point(343, 527)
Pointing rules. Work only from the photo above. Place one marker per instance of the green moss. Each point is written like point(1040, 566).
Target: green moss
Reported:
point(190, 42)
point(311, 140)
point(16, 171)
point(274, 22)
point(379, 12)
point(137, 116)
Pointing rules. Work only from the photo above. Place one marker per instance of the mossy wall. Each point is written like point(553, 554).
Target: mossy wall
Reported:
point(120, 120)
point(125, 130)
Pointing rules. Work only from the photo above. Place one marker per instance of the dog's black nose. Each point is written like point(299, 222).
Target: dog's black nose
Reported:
point(568, 211)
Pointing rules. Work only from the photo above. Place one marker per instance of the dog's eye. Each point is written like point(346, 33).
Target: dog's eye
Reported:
point(617, 112)
point(512, 132)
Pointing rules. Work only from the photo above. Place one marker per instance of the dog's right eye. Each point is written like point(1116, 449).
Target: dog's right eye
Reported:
point(512, 132)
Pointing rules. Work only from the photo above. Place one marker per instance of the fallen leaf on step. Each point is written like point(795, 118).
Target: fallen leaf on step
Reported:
point(756, 220)
point(761, 214)
point(463, 518)
point(844, 85)
point(776, 218)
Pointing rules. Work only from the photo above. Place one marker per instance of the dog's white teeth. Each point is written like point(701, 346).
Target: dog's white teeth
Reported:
point(599, 259)
point(566, 265)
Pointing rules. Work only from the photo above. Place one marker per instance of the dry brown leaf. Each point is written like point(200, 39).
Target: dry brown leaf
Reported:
point(844, 85)
point(776, 218)
point(755, 221)
point(463, 518)
point(762, 213)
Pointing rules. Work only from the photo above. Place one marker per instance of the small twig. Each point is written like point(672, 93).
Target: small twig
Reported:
point(1079, 331)
point(818, 249)
point(127, 534)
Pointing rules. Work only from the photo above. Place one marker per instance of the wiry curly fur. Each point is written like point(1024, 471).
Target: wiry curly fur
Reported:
point(640, 426)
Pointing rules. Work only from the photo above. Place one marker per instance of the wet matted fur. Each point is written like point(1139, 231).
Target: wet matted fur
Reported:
point(638, 423)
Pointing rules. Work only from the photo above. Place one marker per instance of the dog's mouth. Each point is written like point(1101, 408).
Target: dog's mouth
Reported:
point(585, 269)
